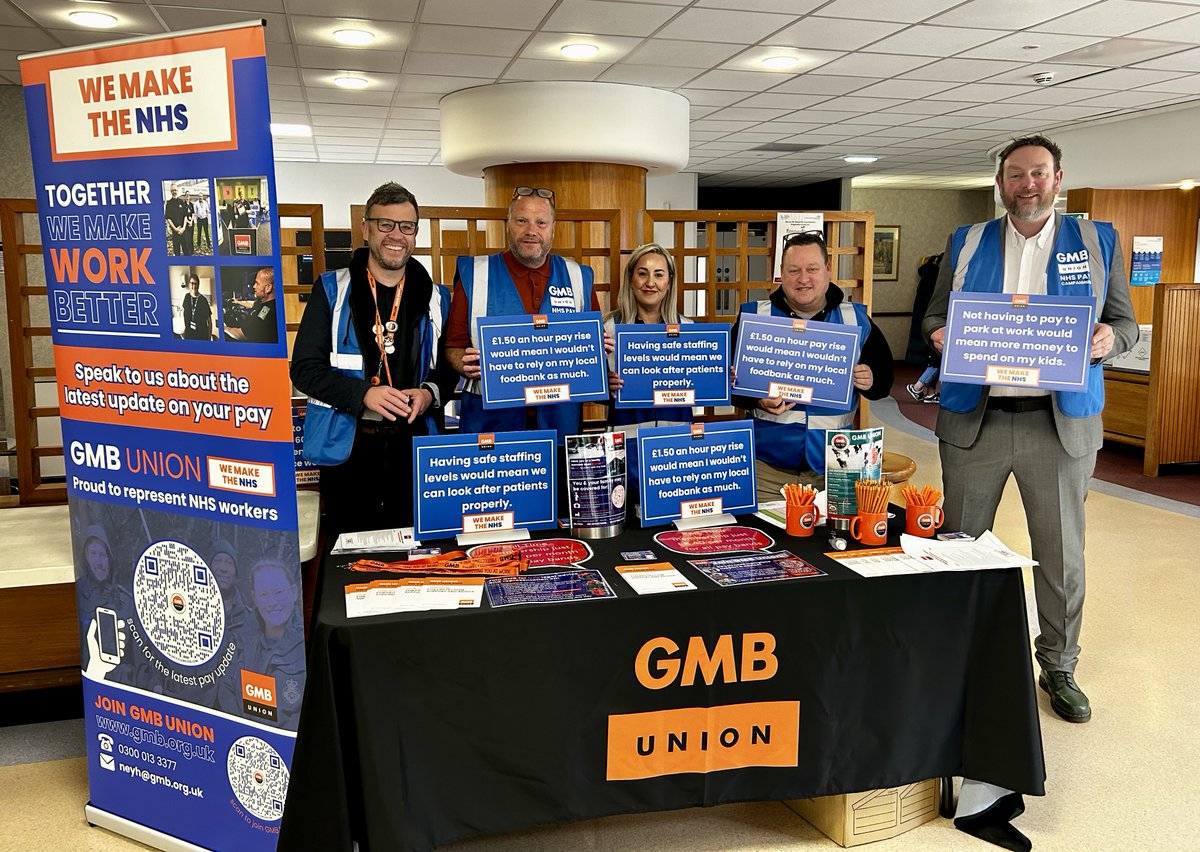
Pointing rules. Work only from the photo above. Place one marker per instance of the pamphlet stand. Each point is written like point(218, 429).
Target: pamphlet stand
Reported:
point(704, 521)
point(491, 537)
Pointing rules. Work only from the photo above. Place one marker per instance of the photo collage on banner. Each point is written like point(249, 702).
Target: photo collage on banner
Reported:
point(156, 199)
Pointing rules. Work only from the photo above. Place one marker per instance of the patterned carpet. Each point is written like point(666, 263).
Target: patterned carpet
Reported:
point(1116, 463)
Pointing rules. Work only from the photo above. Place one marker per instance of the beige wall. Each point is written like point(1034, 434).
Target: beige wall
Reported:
point(16, 181)
point(926, 218)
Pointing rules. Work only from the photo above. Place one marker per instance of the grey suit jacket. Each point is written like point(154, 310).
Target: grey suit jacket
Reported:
point(1079, 435)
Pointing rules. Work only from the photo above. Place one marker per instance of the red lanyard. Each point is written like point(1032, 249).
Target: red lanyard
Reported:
point(385, 336)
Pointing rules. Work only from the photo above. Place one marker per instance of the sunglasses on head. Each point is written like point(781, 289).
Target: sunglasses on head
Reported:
point(539, 191)
point(812, 235)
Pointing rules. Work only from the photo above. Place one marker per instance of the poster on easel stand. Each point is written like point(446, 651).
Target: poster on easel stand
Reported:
point(171, 365)
point(850, 455)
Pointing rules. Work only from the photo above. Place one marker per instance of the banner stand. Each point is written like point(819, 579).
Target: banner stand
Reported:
point(136, 831)
point(477, 538)
point(705, 521)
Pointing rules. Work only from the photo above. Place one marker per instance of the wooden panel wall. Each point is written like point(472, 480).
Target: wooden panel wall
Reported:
point(1168, 213)
point(1173, 425)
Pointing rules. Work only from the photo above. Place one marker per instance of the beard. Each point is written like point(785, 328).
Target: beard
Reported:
point(390, 262)
point(1045, 203)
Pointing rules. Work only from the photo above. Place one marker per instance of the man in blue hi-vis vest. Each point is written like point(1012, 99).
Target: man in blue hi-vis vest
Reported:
point(524, 279)
point(370, 355)
point(1047, 440)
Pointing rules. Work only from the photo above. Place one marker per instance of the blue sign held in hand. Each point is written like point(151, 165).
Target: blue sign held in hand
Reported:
point(672, 365)
point(1018, 340)
point(800, 360)
point(540, 360)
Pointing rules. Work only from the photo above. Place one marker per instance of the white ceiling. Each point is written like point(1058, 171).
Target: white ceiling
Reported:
point(926, 85)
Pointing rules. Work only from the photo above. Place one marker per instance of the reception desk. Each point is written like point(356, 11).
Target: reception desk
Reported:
point(419, 729)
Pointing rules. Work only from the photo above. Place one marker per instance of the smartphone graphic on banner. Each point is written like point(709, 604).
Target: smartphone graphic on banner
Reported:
point(106, 632)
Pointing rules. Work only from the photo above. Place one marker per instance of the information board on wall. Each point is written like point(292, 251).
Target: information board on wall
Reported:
point(171, 366)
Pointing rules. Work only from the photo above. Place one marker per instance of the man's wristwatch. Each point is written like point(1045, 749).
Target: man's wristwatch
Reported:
point(433, 392)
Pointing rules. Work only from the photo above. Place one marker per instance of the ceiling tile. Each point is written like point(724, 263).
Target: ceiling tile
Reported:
point(548, 46)
point(743, 113)
point(277, 29)
point(341, 59)
point(1029, 46)
point(874, 65)
point(740, 81)
point(1119, 79)
point(367, 10)
point(834, 33)
point(454, 64)
point(440, 38)
point(1009, 15)
point(962, 70)
point(598, 16)
point(1115, 18)
point(504, 14)
point(689, 54)
point(924, 40)
point(1189, 85)
point(903, 89)
point(791, 7)
point(824, 84)
point(435, 85)
point(1187, 60)
point(711, 97)
point(981, 92)
point(783, 100)
point(549, 69)
point(1185, 30)
point(725, 26)
point(648, 75)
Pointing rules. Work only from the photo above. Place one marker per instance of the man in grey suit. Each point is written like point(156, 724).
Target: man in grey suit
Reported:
point(1047, 440)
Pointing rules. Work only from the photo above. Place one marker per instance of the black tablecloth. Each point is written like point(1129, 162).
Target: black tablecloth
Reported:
point(420, 729)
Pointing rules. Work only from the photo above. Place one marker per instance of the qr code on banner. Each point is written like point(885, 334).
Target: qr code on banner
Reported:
point(178, 602)
point(258, 777)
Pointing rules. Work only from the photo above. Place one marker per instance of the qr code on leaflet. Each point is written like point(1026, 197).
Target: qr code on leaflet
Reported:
point(258, 777)
point(178, 603)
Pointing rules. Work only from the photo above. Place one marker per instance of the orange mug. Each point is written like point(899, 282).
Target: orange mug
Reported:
point(802, 520)
point(870, 527)
point(923, 520)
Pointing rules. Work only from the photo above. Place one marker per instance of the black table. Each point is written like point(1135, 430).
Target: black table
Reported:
point(424, 728)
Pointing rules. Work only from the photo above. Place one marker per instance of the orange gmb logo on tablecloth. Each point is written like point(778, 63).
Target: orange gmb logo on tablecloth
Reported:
point(143, 99)
point(226, 396)
point(703, 739)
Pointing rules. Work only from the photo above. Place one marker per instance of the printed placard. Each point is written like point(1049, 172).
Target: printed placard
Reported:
point(801, 360)
point(679, 465)
point(850, 455)
point(756, 568)
point(1018, 340)
point(511, 483)
point(555, 587)
point(676, 365)
point(556, 360)
point(715, 540)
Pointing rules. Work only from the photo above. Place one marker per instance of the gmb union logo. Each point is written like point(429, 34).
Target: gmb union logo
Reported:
point(703, 738)
point(839, 442)
point(925, 521)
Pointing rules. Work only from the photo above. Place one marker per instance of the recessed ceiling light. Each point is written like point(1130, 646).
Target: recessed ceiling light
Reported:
point(95, 20)
point(353, 37)
point(580, 51)
point(780, 63)
point(348, 82)
point(278, 129)
point(1185, 185)
point(859, 158)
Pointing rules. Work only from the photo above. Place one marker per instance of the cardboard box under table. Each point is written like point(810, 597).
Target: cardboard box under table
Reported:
point(851, 819)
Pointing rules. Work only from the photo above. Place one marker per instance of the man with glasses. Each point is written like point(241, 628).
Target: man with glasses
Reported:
point(789, 438)
point(524, 279)
point(370, 354)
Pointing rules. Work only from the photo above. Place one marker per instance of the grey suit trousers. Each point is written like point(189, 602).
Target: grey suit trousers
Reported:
point(1053, 486)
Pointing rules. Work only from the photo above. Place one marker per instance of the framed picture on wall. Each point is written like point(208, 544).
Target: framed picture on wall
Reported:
point(886, 255)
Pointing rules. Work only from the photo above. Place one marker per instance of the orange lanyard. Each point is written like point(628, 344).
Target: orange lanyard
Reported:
point(385, 336)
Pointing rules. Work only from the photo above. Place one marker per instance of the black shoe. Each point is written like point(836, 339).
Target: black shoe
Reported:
point(994, 824)
point(1066, 698)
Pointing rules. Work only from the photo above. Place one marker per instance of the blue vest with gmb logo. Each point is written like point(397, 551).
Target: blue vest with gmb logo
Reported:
point(1079, 262)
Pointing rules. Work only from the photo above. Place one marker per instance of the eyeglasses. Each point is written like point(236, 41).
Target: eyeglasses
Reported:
point(387, 225)
point(818, 236)
point(539, 191)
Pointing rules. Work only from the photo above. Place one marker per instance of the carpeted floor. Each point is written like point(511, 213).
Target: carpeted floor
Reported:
point(1116, 463)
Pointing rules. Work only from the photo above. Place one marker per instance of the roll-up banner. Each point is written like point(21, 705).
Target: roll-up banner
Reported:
point(156, 198)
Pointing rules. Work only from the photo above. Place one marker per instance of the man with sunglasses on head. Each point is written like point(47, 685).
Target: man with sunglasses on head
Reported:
point(524, 279)
point(370, 355)
point(789, 438)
